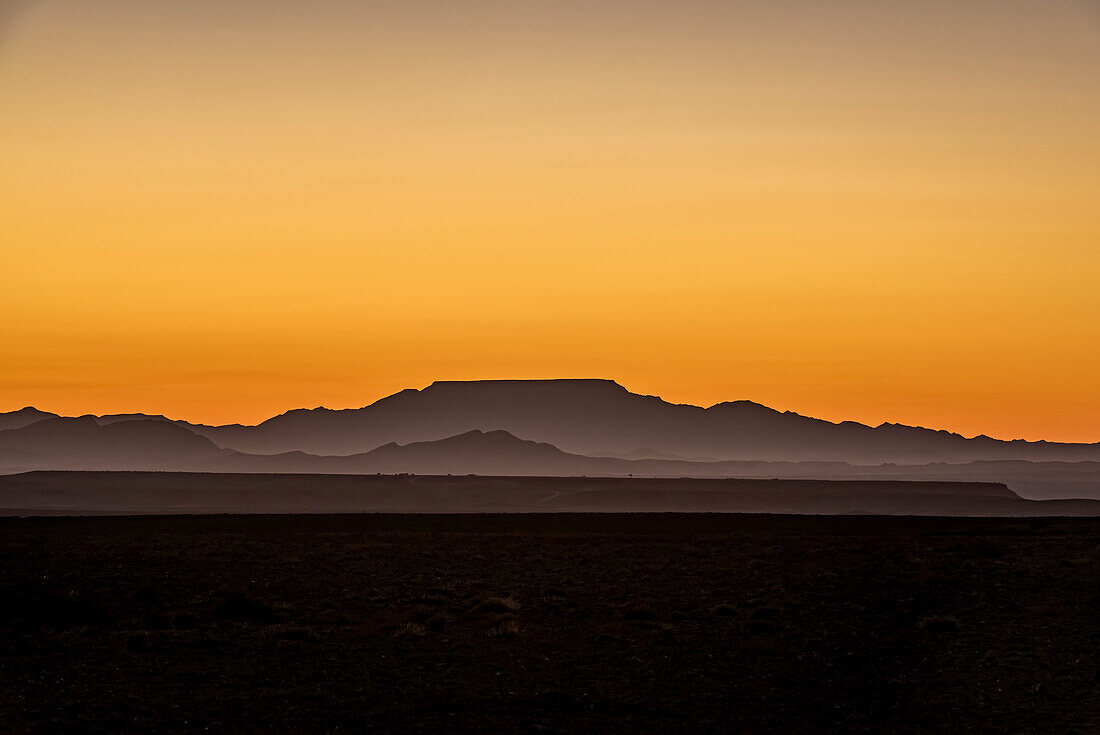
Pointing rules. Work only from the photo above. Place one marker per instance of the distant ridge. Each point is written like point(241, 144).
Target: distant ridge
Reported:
point(82, 443)
point(23, 417)
point(150, 444)
point(600, 417)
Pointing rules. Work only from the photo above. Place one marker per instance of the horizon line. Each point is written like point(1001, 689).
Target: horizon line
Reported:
point(612, 381)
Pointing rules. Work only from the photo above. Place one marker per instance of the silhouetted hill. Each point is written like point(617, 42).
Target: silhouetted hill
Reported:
point(500, 453)
point(600, 417)
point(23, 417)
point(82, 443)
point(473, 452)
point(114, 418)
point(157, 444)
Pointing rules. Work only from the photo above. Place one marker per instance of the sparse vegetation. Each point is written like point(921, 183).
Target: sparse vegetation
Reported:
point(505, 628)
point(562, 624)
point(410, 630)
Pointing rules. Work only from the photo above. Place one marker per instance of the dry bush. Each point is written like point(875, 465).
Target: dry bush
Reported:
point(410, 630)
point(505, 628)
point(724, 610)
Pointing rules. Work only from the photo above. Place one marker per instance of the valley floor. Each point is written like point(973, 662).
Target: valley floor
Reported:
point(553, 623)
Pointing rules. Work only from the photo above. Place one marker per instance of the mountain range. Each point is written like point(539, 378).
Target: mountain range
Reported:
point(545, 427)
point(600, 417)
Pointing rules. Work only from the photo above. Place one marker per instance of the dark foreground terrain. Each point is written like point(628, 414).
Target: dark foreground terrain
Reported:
point(549, 623)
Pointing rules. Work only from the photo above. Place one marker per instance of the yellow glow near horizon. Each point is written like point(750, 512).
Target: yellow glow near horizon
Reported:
point(870, 211)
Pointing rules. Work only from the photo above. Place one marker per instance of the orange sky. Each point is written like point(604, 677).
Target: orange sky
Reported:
point(865, 210)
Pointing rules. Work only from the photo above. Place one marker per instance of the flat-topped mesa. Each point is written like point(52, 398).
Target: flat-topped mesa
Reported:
point(557, 386)
point(395, 490)
point(947, 487)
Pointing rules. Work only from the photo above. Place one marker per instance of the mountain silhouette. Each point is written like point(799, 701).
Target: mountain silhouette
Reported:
point(23, 417)
point(500, 453)
point(600, 417)
point(86, 443)
point(114, 418)
point(82, 443)
point(472, 453)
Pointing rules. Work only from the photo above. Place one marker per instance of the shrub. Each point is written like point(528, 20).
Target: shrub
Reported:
point(410, 630)
point(506, 628)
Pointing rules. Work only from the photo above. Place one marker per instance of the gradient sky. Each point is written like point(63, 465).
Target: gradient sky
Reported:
point(219, 210)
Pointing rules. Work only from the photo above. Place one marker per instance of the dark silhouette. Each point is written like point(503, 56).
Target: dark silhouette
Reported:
point(124, 443)
point(599, 417)
point(82, 443)
point(23, 417)
point(97, 493)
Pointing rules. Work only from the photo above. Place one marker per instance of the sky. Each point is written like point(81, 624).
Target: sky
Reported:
point(877, 211)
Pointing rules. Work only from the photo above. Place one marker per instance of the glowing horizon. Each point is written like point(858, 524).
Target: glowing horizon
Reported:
point(219, 211)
